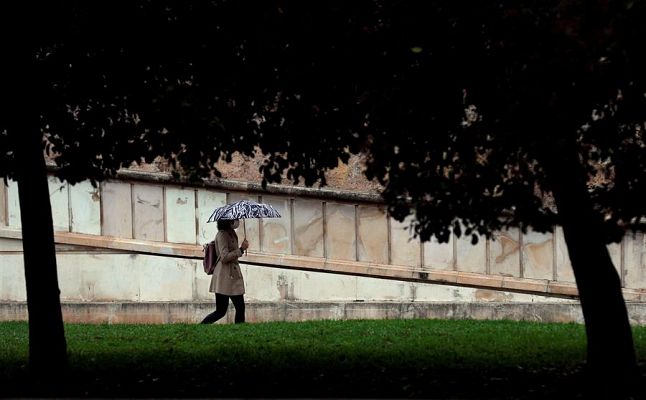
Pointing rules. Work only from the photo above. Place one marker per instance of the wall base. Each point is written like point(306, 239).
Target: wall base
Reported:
point(193, 312)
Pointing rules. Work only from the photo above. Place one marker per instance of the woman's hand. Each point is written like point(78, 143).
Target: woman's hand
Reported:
point(244, 245)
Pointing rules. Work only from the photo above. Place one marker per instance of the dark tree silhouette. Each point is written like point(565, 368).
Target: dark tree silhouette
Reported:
point(22, 158)
point(471, 114)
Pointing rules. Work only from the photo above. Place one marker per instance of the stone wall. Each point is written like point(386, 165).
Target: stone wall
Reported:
point(138, 239)
point(334, 228)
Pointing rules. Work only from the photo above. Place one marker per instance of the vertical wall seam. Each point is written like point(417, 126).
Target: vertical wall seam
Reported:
point(324, 213)
point(292, 236)
point(389, 238)
point(194, 293)
point(422, 258)
point(521, 248)
point(622, 261)
point(261, 228)
point(555, 274)
point(197, 216)
point(5, 203)
point(101, 232)
point(70, 212)
point(261, 233)
point(488, 255)
point(421, 252)
point(164, 218)
point(132, 210)
point(356, 232)
point(454, 262)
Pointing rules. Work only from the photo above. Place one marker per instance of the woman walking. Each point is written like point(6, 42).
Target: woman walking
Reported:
point(226, 281)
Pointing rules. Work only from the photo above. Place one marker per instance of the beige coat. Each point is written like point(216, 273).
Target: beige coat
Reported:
point(227, 277)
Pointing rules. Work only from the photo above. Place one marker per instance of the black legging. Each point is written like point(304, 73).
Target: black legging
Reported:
point(221, 306)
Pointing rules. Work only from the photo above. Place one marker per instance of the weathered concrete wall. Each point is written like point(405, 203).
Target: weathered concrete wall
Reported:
point(334, 230)
point(193, 312)
point(95, 275)
point(103, 233)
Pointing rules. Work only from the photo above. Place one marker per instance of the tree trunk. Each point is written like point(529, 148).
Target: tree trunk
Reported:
point(611, 363)
point(47, 346)
point(21, 97)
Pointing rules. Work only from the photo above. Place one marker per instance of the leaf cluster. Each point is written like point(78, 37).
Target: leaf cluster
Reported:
point(457, 105)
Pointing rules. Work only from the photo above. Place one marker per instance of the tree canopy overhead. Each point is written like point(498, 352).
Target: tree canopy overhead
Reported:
point(454, 102)
point(468, 112)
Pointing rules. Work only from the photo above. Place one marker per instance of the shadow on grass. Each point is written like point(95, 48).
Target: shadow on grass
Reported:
point(309, 381)
point(333, 359)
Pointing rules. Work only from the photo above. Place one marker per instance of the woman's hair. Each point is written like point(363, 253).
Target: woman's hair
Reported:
point(224, 224)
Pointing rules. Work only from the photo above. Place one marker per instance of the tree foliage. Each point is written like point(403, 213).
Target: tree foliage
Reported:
point(454, 102)
point(470, 114)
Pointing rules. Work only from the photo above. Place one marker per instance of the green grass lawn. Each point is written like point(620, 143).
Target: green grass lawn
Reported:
point(395, 358)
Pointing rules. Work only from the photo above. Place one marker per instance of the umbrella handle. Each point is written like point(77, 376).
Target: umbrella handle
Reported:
point(244, 228)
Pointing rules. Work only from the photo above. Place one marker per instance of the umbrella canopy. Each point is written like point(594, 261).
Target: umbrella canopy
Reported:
point(243, 209)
